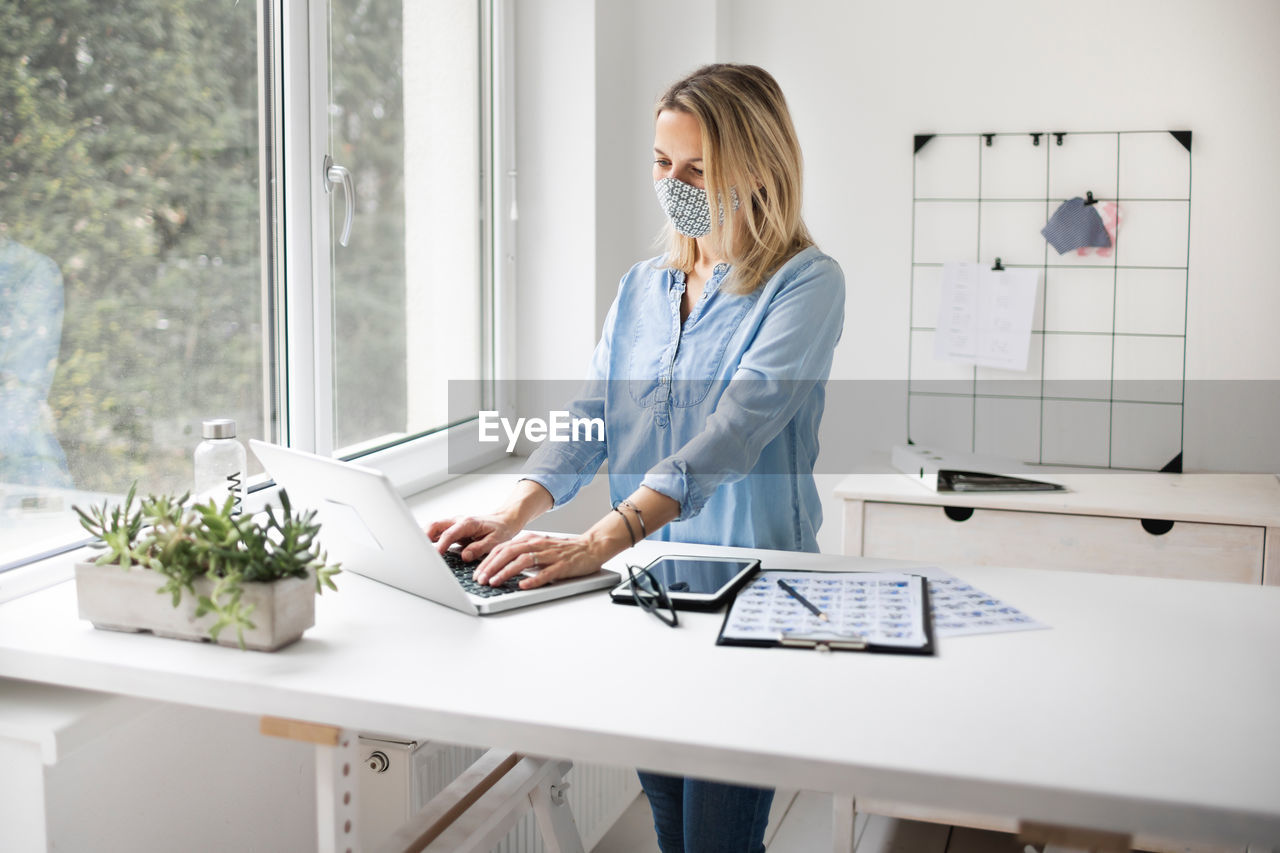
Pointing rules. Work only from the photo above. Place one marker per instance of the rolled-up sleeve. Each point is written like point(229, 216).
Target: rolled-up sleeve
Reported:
point(784, 368)
point(564, 467)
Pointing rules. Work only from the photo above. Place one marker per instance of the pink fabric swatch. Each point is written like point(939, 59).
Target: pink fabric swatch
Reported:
point(1110, 213)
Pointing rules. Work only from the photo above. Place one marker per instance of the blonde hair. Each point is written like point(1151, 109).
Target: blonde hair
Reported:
point(749, 148)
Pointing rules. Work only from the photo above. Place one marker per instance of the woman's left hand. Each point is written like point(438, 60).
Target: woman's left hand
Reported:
point(551, 557)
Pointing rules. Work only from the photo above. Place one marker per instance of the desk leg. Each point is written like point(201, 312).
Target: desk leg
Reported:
point(337, 803)
point(476, 811)
point(555, 820)
point(481, 822)
point(844, 813)
point(337, 757)
point(1066, 839)
point(1271, 557)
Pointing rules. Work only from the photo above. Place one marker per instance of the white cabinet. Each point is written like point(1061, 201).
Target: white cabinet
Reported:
point(1223, 527)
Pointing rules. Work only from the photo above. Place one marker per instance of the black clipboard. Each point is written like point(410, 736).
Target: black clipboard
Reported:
point(828, 641)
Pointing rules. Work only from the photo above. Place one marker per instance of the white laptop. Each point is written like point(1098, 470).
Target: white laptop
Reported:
point(366, 526)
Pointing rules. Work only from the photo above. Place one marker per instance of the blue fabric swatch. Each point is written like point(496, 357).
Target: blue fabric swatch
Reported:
point(1075, 225)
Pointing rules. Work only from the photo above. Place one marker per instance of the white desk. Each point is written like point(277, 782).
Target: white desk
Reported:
point(1122, 717)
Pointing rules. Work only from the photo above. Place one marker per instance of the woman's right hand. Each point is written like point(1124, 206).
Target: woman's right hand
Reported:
point(477, 534)
point(480, 534)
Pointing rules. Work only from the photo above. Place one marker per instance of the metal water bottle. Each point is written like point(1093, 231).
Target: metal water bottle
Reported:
point(220, 464)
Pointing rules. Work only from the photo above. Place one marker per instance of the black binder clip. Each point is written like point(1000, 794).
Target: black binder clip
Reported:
point(1089, 199)
point(1035, 139)
point(988, 137)
point(999, 267)
point(1058, 136)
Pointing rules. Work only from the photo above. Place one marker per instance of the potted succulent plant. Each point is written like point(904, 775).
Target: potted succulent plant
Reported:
point(194, 571)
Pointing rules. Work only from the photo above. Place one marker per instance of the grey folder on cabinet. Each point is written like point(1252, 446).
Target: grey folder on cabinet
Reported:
point(945, 471)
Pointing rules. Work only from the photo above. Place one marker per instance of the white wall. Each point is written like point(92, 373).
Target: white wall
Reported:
point(641, 48)
point(873, 74)
point(862, 78)
point(588, 74)
point(555, 159)
point(441, 206)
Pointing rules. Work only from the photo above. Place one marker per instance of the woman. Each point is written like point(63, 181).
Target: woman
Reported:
point(709, 377)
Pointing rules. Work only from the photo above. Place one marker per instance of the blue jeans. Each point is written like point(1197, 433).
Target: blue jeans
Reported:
point(693, 816)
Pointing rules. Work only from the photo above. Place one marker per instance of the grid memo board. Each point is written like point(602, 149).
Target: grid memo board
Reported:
point(1105, 380)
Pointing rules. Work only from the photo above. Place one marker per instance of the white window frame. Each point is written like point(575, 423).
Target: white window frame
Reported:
point(303, 299)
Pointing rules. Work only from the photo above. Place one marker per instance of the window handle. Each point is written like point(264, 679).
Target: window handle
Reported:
point(334, 175)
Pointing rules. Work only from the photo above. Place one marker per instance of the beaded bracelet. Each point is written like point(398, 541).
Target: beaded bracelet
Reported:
point(644, 531)
point(627, 522)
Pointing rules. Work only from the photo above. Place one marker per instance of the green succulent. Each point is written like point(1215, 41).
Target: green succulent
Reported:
point(185, 541)
point(117, 530)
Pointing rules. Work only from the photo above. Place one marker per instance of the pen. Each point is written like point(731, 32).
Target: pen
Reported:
point(790, 590)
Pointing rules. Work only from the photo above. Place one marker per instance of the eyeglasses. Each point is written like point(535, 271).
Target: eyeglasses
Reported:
point(652, 596)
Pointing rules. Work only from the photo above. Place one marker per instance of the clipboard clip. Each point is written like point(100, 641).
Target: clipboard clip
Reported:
point(825, 642)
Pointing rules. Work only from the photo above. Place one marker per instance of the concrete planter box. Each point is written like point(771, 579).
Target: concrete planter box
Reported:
point(117, 599)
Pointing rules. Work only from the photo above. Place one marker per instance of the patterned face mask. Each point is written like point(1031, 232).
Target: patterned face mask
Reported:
point(686, 206)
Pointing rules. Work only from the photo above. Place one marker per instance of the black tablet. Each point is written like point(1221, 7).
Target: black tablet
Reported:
point(694, 583)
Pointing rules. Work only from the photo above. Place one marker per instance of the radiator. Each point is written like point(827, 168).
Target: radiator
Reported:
point(398, 777)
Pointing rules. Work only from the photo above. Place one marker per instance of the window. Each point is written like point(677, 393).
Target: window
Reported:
point(170, 247)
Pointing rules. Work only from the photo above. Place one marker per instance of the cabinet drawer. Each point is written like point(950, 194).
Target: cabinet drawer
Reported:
point(993, 537)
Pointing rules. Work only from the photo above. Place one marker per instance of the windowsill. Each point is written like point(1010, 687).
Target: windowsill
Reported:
point(484, 490)
point(478, 492)
point(38, 521)
point(42, 574)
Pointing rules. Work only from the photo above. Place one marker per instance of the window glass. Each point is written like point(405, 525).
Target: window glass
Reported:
point(405, 118)
point(130, 270)
point(131, 256)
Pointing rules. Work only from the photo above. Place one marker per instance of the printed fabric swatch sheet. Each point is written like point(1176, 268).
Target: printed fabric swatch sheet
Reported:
point(985, 315)
point(959, 608)
point(882, 609)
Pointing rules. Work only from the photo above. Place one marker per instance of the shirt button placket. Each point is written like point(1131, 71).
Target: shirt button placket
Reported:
point(662, 411)
point(662, 398)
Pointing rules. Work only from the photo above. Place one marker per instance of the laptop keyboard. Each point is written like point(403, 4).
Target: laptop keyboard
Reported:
point(463, 569)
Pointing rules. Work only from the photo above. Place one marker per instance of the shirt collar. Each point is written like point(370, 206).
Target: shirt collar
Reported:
point(718, 272)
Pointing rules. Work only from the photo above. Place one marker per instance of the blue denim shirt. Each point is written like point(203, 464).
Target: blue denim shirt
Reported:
point(721, 413)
